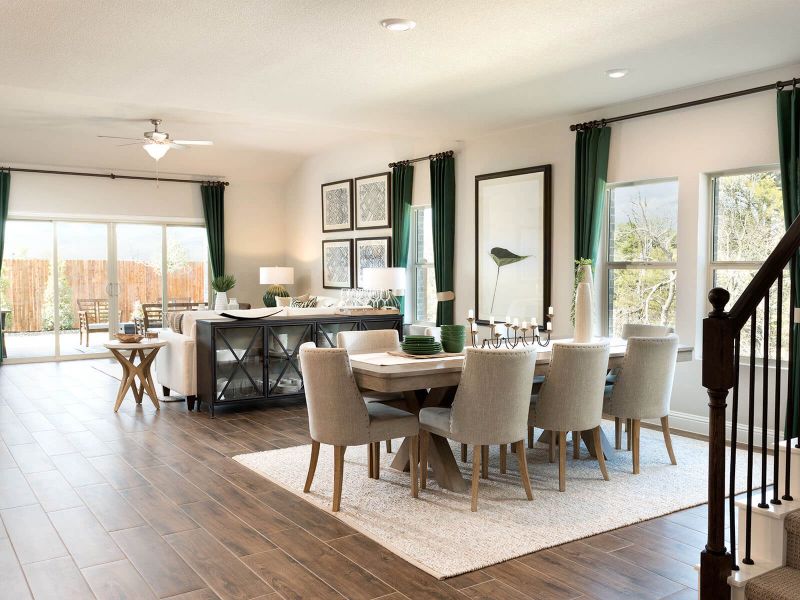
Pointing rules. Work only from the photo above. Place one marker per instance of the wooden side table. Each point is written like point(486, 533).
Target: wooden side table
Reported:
point(146, 352)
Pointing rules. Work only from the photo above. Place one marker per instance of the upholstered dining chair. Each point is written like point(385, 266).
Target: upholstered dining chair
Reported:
point(490, 408)
point(367, 342)
point(643, 389)
point(571, 399)
point(338, 416)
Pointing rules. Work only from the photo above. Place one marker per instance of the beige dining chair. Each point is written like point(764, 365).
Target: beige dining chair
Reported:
point(490, 408)
point(643, 389)
point(367, 342)
point(338, 416)
point(571, 399)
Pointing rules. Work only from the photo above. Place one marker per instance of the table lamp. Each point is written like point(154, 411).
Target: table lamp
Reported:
point(275, 278)
point(390, 279)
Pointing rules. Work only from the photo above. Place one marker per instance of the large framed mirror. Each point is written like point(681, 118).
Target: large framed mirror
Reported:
point(513, 244)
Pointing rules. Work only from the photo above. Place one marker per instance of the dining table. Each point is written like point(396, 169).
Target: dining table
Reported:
point(433, 381)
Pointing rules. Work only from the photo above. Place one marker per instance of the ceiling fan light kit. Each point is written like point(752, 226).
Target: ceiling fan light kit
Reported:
point(156, 150)
point(157, 143)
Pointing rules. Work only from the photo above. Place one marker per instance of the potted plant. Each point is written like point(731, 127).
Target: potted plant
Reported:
point(222, 284)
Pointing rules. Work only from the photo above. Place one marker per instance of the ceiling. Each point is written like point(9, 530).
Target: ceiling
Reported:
point(273, 81)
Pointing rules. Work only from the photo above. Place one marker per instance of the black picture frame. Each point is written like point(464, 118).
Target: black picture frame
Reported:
point(356, 262)
point(350, 245)
point(547, 241)
point(388, 202)
point(350, 203)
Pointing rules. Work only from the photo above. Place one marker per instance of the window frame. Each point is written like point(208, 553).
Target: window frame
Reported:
point(610, 265)
point(416, 264)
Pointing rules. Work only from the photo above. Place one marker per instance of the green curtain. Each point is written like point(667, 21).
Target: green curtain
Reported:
point(789, 148)
point(443, 208)
point(214, 213)
point(591, 170)
point(402, 184)
point(5, 186)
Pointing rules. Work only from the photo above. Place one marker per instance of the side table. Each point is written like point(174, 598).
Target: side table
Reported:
point(146, 352)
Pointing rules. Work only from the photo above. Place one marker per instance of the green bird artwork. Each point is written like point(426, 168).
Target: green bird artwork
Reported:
point(501, 258)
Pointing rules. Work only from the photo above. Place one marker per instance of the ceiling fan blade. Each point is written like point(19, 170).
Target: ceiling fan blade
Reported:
point(129, 144)
point(194, 142)
point(114, 137)
point(177, 146)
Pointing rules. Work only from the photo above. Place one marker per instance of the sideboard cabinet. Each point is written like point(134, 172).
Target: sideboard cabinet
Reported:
point(242, 362)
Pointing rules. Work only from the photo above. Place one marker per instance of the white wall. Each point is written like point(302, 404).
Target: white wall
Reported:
point(687, 144)
point(254, 213)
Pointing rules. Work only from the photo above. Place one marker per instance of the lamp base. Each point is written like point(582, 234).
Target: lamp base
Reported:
point(273, 291)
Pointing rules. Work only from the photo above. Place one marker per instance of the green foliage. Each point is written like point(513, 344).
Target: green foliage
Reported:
point(64, 303)
point(223, 283)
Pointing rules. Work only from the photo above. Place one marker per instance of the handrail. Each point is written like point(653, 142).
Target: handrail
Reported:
point(762, 281)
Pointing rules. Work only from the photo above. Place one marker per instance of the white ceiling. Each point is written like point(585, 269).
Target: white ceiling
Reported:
point(272, 81)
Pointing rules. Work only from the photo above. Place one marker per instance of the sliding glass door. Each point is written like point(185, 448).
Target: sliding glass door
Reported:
point(67, 286)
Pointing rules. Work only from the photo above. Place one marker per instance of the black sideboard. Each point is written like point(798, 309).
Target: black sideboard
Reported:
point(242, 362)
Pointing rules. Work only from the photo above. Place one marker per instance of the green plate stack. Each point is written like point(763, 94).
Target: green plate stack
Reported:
point(453, 337)
point(421, 344)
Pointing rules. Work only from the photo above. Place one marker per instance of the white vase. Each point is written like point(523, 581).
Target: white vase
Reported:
point(221, 301)
point(585, 276)
point(583, 313)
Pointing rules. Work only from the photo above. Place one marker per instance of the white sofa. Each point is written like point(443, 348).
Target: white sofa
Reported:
point(176, 363)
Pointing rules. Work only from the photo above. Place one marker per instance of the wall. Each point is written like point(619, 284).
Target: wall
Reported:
point(254, 215)
point(687, 144)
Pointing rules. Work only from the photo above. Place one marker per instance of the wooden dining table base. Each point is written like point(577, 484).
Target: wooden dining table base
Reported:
point(131, 371)
point(440, 455)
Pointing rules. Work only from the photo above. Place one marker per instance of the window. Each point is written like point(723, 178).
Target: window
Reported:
point(424, 285)
point(747, 222)
point(642, 253)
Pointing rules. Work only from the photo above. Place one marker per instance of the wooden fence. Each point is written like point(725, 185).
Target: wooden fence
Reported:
point(27, 288)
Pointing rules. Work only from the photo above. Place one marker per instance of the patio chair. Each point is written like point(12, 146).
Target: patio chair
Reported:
point(92, 317)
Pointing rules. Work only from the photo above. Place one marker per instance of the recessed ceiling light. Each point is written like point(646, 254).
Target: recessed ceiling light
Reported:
point(617, 73)
point(398, 24)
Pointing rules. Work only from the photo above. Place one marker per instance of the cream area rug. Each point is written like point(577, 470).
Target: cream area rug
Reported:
point(438, 533)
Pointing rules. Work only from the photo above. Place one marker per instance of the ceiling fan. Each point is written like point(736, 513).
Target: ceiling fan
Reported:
point(157, 143)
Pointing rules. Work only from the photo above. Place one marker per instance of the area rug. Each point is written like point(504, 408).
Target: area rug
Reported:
point(438, 533)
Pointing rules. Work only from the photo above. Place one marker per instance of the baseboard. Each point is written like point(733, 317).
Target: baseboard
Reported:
point(698, 424)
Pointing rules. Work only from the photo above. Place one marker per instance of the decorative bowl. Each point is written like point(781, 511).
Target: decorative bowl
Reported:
point(129, 338)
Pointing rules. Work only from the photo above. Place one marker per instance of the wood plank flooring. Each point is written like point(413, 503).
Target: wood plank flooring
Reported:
point(141, 504)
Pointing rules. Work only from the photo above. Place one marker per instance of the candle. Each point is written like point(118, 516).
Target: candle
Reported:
point(516, 322)
point(549, 326)
point(491, 320)
point(475, 327)
point(534, 323)
point(470, 314)
point(524, 324)
point(550, 311)
point(508, 319)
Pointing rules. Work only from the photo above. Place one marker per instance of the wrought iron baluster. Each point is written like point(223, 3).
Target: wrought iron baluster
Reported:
point(787, 490)
point(764, 405)
point(734, 435)
point(776, 459)
point(750, 422)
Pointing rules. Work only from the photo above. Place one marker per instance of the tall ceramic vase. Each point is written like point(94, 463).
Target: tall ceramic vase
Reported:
point(221, 302)
point(583, 313)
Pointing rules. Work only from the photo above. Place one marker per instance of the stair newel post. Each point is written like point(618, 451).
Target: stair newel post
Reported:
point(718, 373)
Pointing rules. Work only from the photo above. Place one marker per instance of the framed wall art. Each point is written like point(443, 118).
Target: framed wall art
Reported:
point(337, 206)
point(513, 244)
point(337, 264)
point(373, 201)
point(372, 252)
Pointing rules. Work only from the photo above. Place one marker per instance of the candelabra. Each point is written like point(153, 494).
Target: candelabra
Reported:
point(496, 339)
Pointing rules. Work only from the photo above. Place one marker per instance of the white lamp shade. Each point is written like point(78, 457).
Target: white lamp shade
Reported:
point(280, 275)
point(384, 278)
point(155, 150)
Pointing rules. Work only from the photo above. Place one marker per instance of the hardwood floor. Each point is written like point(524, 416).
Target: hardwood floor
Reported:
point(141, 504)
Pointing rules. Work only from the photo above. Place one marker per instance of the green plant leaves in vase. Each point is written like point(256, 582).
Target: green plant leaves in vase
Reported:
point(501, 258)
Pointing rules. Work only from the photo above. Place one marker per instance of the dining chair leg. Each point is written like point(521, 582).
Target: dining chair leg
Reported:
point(629, 431)
point(424, 439)
point(312, 466)
point(338, 473)
point(530, 436)
point(523, 468)
point(576, 445)
point(617, 433)
point(376, 462)
point(476, 470)
point(562, 461)
point(503, 450)
point(485, 462)
point(551, 450)
point(413, 451)
point(371, 465)
point(601, 457)
point(668, 439)
point(388, 446)
point(635, 424)
point(463, 453)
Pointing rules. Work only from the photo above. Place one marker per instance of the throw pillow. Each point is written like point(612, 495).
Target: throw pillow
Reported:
point(310, 303)
point(175, 320)
point(283, 301)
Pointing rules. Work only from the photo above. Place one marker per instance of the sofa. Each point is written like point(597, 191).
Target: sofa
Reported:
point(176, 363)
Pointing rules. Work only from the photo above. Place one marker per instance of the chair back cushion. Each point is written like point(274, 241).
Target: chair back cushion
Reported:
point(337, 414)
point(630, 330)
point(571, 398)
point(366, 342)
point(493, 398)
point(644, 384)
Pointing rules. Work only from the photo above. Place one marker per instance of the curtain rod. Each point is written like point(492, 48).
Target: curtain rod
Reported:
point(444, 154)
point(112, 176)
point(779, 85)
